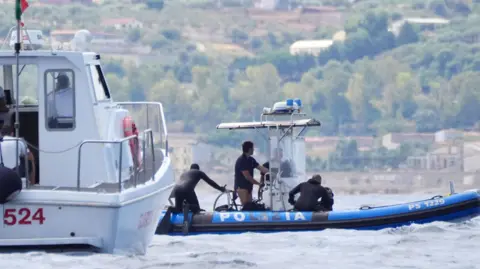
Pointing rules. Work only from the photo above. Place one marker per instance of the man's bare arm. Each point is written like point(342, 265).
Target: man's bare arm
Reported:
point(262, 169)
point(249, 177)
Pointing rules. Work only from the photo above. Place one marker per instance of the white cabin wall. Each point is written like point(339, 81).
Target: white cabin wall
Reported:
point(60, 169)
point(115, 132)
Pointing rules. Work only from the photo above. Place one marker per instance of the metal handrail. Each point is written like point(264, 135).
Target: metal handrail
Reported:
point(162, 115)
point(7, 39)
point(20, 140)
point(119, 141)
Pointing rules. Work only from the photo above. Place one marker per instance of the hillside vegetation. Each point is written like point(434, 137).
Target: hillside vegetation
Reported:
point(212, 63)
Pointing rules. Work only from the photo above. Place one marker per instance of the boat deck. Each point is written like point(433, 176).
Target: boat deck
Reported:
point(141, 177)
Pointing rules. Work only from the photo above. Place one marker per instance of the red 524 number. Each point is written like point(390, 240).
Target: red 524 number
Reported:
point(22, 216)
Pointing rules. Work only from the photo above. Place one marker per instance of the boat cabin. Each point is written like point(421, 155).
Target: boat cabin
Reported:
point(285, 131)
point(64, 100)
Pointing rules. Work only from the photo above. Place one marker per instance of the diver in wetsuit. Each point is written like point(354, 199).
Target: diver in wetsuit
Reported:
point(310, 192)
point(184, 190)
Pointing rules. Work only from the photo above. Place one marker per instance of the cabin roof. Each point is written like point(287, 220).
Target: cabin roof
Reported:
point(75, 57)
point(45, 53)
point(269, 124)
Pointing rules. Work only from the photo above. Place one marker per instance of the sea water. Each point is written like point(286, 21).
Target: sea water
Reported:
point(435, 245)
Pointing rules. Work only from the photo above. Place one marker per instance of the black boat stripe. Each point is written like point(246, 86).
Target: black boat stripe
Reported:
point(316, 223)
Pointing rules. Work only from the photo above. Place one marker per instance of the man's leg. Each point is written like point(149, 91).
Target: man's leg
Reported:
point(245, 195)
point(192, 200)
point(179, 198)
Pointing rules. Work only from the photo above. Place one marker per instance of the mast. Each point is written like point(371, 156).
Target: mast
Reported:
point(18, 15)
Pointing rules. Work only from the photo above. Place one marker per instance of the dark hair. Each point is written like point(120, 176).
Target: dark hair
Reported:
point(195, 166)
point(317, 178)
point(6, 130)
point(63, 81)
point(246, 146)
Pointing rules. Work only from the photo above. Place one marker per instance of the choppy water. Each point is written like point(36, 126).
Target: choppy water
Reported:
point(436, 245)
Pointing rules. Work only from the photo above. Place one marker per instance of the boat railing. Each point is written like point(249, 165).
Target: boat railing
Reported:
point(121, 143)
point(25, 156)
point(9, 36)
point(149, 115)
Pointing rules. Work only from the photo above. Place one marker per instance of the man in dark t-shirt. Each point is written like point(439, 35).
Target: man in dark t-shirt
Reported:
point(244, 166)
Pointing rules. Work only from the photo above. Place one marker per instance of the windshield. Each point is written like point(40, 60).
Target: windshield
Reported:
point(99, 84)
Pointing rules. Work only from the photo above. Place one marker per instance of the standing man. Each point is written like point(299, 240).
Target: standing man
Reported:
point(60, 108)
point(244, 166)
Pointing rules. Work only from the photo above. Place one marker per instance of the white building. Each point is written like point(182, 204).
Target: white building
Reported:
point(447, 135)
point(312, 47)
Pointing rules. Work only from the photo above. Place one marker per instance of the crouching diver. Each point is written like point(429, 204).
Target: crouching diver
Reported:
point(184, 190)
point(310, 192)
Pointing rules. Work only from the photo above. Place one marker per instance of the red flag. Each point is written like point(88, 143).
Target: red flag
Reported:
point(24, 5)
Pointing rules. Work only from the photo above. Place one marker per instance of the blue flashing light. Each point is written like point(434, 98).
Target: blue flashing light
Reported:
point(298, 102)
point(289, 102)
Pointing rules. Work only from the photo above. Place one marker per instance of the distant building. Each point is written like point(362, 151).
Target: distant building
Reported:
point(447, 135)
point(312, 47)
point(123, 23)
point(315, 142)
point(394, 140)
point(265, 4)
point(425, 23)
point(434, 161)
point(272, 4)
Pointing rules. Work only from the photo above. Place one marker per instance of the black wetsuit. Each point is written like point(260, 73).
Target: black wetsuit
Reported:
point(185, 189)
point(310, 192)
point(243, 163)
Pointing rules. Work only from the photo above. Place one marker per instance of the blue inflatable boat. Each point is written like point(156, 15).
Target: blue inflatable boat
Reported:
point(458, 206)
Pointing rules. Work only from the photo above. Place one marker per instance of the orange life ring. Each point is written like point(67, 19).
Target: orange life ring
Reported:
point(129, 129)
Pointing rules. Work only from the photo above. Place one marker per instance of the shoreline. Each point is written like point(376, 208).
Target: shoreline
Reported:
point(359, 183)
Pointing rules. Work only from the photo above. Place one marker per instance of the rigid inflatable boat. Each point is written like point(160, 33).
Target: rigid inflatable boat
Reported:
point(454, 207)
point(286, 157)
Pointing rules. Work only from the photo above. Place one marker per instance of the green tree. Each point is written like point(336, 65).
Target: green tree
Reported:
point(259, 87)
point(407, 35)
point(155, 4)
point(134, 35)
point(118, 87)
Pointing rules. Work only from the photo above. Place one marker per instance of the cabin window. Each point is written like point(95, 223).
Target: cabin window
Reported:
point(28, 84)
point(60, 100)
point(99, 83)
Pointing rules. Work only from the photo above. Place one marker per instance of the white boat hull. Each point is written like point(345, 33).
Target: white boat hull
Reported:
point(111, 222)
